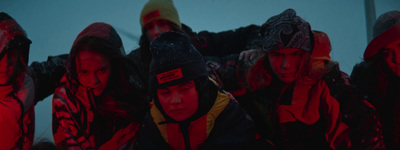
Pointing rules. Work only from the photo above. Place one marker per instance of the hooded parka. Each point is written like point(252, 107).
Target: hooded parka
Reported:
point(108, 121)
point(17, 122)
point(358, 114)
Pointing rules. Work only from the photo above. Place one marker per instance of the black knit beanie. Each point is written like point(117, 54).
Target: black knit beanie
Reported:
point(174, 61)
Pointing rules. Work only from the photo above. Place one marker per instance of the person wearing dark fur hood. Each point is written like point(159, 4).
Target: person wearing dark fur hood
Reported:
point(378, 76)
point(189, 110)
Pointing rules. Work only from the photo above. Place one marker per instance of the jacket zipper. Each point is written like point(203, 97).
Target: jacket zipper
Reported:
point(185, 133)
point(21, 124)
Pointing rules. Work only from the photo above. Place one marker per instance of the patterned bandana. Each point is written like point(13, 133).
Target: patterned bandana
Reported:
point(286, 30)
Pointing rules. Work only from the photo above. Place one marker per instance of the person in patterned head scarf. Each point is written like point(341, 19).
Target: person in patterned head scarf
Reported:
point(291, 109)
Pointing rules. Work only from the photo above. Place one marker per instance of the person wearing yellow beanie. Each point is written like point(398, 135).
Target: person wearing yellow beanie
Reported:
point(158, 16)
point(159, 9)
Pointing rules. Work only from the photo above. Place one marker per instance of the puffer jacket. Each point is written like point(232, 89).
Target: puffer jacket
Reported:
point(17, 117)
point(83, 121)
point(47, 75)
point(224, 126)
point(17, 122)
point(358, 114)
point(381, 88)
point(304, 116)
point(208, 44)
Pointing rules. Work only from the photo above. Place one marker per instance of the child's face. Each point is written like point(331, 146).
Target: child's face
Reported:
point(7, 66)
point(179, 101)
point(286, 63)
point(94, 70)
point(155, 28)
point(391, 55)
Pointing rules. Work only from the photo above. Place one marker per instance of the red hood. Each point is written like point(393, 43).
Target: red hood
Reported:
point(322, 46)
point(11, 34)
point(102, 31)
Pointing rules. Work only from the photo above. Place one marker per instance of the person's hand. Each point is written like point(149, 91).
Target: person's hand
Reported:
point(249, 56)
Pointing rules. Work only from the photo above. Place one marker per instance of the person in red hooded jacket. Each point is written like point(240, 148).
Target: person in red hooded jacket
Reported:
point(16, 87)
point(358, 114)
point(378, 75)
point(292, 109)
point(102, 103)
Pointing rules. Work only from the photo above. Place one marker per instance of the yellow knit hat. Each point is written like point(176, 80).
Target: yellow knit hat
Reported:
point(159, 9)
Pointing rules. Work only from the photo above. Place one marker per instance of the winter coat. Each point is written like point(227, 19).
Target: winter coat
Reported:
point(381, 88)
point(305, 116)
point(17, 122)
point(109, 121)
point(224, 126)
point(208, 43)
point(77, 124)
point(17, 117)
point(358, 114)
point(47, 75)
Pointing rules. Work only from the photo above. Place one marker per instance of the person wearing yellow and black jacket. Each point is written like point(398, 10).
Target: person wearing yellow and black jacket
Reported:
point(189, 110)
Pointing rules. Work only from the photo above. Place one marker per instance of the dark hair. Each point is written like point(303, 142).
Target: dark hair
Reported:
point(129, 98)
point(95, 45)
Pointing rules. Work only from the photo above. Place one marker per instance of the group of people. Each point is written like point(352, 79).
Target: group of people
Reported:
point(269, 86)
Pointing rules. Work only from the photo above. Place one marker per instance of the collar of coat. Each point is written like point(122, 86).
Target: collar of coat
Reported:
point(199, 129)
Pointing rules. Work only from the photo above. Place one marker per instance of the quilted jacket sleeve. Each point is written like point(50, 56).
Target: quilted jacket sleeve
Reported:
point(47, 75)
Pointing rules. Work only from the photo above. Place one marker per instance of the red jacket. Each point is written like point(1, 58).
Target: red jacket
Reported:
point(17, 116)
point(82, 121)
point(16, 96)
